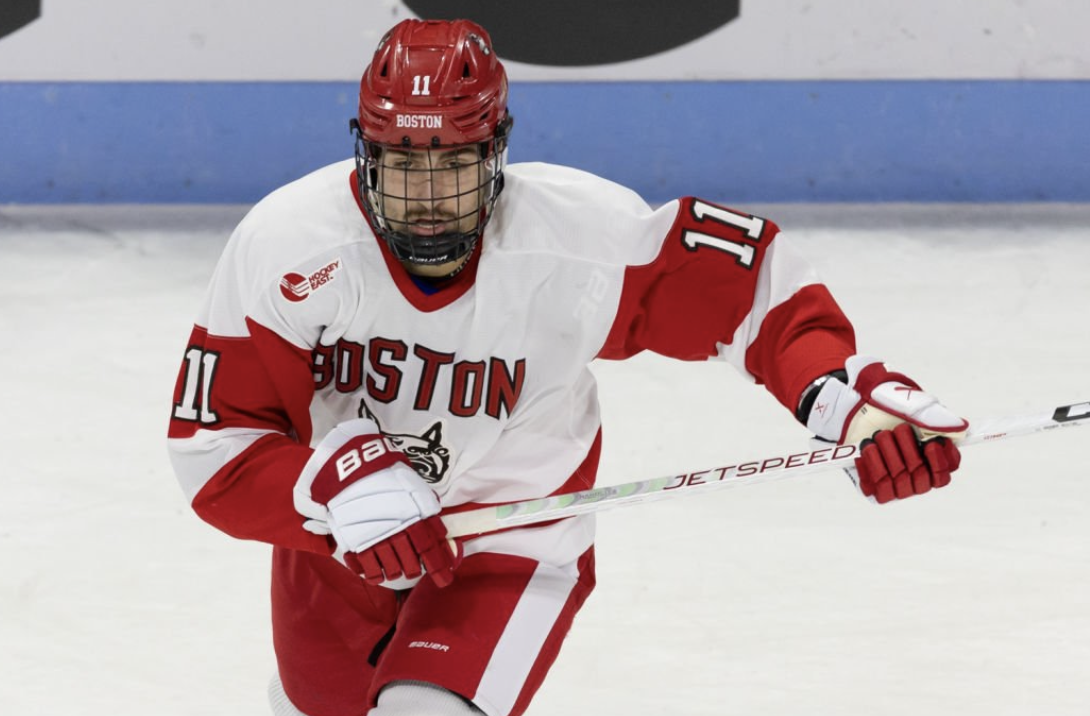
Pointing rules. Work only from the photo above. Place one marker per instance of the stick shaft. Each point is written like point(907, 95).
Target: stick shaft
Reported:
point(528, 512)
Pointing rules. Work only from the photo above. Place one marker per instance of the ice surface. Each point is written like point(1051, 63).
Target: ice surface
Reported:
point(789, 598)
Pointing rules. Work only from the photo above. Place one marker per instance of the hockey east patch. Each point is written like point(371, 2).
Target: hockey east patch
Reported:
point(296, 287)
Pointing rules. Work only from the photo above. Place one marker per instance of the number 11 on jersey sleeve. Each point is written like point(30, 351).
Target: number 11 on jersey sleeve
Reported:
point(750, 227)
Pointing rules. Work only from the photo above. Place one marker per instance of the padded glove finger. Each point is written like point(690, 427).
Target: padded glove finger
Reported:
point(943, 457)
point(407, 557)
point(387, 557)
point(439, 555)
point(366, 565)
point(895, 464)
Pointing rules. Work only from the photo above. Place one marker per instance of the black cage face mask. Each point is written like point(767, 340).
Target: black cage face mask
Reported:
point(430, 204)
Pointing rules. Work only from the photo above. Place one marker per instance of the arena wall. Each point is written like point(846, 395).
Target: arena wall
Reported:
point(743, 102)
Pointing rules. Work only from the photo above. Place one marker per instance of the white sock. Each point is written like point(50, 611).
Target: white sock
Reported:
point(419, 698)
point(281, 705)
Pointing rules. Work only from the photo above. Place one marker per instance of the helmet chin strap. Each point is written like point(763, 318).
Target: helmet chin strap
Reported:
point(407, 249)
point(461, 265)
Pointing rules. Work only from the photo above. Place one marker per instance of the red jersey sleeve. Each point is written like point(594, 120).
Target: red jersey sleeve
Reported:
point(239, 433)
point(723, 286)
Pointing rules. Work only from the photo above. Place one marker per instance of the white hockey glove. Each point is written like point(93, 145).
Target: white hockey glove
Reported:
point(381, 513)
point(906, 436)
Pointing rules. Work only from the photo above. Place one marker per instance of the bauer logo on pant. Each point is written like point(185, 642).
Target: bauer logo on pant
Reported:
point(297, 287)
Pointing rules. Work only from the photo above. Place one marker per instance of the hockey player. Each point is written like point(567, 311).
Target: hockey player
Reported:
point(407, 334)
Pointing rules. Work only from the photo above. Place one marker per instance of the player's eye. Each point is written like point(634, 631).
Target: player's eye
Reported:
point(460, 161)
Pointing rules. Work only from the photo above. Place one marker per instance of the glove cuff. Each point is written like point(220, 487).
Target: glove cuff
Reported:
point(350, 451)
point(874, 399)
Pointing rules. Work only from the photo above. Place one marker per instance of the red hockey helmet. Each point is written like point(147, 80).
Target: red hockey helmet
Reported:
point(432, 87)
point(433, 82)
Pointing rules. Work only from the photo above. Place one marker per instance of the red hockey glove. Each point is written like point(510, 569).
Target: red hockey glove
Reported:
point(906, 436)
point(895, 464)
point(382, 515)
point(422, 547)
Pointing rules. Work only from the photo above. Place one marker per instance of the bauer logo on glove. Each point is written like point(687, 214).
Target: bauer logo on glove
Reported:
point(382, 515)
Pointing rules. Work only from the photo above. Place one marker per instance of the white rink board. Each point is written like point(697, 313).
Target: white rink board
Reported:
point(784, 599)
point(284, 40)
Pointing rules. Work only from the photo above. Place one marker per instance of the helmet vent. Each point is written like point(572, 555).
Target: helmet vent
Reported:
point(465, 71)
point(385, 68)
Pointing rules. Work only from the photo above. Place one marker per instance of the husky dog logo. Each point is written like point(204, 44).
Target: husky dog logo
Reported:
point(426, 453)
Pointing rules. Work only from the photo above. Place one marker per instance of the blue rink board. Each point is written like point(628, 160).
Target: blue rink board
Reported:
point(768, 141)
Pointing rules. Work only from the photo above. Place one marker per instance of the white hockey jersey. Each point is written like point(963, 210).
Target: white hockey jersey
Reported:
point(484, 384)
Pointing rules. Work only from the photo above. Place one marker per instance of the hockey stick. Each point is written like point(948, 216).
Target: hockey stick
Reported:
point(528, 512)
